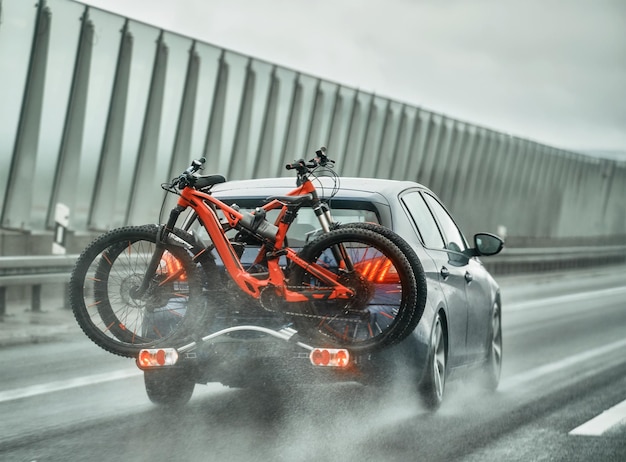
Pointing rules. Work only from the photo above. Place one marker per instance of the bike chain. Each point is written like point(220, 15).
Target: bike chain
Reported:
point(302, 315)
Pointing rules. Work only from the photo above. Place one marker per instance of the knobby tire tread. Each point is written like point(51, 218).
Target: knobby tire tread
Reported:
point(77, 282)
point(412, 301)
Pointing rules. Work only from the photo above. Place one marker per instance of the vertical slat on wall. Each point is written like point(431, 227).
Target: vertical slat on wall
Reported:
point(565, 171)
point(19, 188)
point(486, 170)
point(389, 141)
point(555, 193)
point(520, 224)
point(441, 160)
point(618, 209)
point(312, 138)
point(454, 171)
point(420, 138)
point(239, 166)
point(575, 196)
point(334, 124)
point(497, 190)
point(608, 174)
point(377, 122)
point(431, 144)
point(213, 142)
point(264, 159)
point(182, 157)
point(143, 186)
point(350, 140)
point(477, 179)
point(457, 203)
point(517, 185)
point(542, 199)
point(400, 150)
point(68, 162)
point(534, 191)
point(410, 130)
point(565, 190)
point(104, 197)
point(357, 154)
point(288, 151)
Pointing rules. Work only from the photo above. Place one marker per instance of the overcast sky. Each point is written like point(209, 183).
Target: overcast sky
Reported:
point(550, 70)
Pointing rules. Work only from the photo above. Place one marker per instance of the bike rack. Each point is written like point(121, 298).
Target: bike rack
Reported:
point(159, 357)
point(286, 334)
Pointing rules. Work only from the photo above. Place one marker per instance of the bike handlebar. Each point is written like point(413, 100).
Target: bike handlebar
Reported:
point(320, 160)
point(196, 165)
point(303, 167)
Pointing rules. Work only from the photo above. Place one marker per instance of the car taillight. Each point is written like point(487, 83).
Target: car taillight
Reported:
point(174, 267)
point(379, 270)
point(156, 357)
point(330, 357)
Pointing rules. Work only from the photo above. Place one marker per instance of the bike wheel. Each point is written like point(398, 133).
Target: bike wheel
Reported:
point(383, 310)
point(103, 280)
point(414, 260)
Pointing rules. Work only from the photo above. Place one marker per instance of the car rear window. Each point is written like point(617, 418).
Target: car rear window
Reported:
point(306, 224)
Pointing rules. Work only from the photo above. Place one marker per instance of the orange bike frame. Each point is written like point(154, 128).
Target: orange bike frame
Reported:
point(252, 285)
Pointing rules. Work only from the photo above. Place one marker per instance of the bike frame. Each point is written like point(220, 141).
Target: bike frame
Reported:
point(206, 206)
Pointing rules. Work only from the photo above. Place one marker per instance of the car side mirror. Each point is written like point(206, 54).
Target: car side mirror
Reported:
point(486, 244)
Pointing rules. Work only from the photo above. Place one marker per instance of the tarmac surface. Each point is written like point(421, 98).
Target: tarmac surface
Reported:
point(21, 325)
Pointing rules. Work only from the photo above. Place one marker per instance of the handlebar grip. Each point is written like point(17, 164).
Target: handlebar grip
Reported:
point(296, 164)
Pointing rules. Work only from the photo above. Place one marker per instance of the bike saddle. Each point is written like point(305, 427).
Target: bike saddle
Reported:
point(208, 180)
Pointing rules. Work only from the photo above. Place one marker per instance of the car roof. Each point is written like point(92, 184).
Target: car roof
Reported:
point(349, 187)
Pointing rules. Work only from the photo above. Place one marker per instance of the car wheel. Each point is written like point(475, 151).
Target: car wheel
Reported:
point(168, 387)
point(490, 372)
point(433, 383)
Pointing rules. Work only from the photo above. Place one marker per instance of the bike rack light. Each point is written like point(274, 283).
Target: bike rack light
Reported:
point(156, 357)
point(330, 357)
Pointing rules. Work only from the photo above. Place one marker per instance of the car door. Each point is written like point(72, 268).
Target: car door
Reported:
point(471, 275)
point(449, 276)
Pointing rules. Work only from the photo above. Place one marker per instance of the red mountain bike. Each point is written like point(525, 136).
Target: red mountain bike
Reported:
point(145, 286)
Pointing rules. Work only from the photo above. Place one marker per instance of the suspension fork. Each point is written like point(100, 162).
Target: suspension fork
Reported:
point(161, 238)
point(322, 212)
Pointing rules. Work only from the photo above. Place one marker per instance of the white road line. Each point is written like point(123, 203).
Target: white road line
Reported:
point(531, 375)
point(603, 422)
point(60, 385)
point(524, 305)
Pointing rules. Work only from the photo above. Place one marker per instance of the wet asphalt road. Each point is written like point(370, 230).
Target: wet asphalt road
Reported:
point(564, 365)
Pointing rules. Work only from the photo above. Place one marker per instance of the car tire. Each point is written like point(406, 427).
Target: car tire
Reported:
point(490, 371)
point(432, 386)
point(169, 387)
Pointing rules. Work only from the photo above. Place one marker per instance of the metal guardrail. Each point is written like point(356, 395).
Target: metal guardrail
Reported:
point(525, 260)
point(55, 269)
point(33, 271)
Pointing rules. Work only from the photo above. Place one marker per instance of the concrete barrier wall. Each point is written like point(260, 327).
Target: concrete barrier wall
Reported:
point(98, 110)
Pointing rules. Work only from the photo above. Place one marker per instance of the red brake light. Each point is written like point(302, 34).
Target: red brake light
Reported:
point(149, 358)
point(174, 267)
point(379, 270)
point(330, 357)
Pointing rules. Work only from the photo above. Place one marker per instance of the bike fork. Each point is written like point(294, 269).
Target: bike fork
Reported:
point(339, 251)
point(162, 235)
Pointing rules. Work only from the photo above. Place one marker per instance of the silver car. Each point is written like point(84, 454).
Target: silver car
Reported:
point(460, 328)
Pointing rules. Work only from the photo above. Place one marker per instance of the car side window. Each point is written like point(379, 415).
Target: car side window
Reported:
point(453, 236)
point(423, 219)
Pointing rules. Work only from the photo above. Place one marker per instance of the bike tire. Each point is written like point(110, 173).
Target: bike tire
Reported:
point(414, 260)
point(382, 312)
point(102, 280)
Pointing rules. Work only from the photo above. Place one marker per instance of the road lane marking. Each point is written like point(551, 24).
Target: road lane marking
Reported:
point(541, 302)
point(59, 385)
point(538, 372)
point(603, 422)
